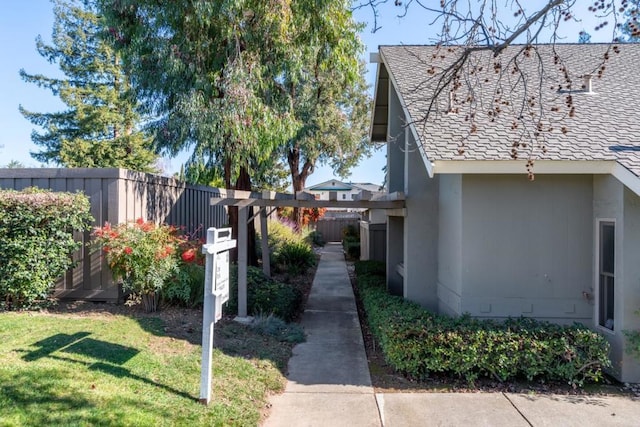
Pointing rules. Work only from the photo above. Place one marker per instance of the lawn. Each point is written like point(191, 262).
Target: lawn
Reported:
point(114, 369)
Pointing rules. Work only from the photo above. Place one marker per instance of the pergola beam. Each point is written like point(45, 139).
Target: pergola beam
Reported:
point(302, 200)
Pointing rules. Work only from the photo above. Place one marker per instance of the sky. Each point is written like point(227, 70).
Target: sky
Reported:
point(21, 21)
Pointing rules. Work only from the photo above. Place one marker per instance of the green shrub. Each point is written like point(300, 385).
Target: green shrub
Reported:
point(418, 343)
point(290, 250)
point(316, 238)
point(36, 241)
point(351, 247)
point(294, 258)
point(370, 267)
point(351, 242)
point(264, 295)
point(186, 288)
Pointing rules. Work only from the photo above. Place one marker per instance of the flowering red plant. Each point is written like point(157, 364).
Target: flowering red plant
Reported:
point(139, 253)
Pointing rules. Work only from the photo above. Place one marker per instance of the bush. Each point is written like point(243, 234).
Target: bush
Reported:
point(36, 241)
point(294, 258)
point(186, 286)
point(418, 343)
point(290, 250)
point(316, 238)
point(351, 242)
point(140, 254)
point(264, 295)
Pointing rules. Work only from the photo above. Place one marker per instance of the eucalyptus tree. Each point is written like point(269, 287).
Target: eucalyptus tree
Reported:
point(206, 71)
point(325, 90)
point(100, 127)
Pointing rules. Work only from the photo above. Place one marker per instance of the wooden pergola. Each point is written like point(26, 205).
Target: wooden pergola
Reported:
point(265, 201)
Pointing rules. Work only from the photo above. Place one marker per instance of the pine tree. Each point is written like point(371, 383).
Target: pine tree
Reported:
point(100, 127)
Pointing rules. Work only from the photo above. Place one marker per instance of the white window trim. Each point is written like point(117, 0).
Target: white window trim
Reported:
point(596, 278)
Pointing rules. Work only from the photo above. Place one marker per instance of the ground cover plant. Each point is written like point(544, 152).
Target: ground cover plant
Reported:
point(104, 368)
point(419, 344)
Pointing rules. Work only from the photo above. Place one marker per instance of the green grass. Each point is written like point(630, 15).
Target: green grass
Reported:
point(117, 370)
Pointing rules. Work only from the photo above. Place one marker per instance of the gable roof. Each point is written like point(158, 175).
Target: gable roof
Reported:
point(605, 127)
point(330, 185)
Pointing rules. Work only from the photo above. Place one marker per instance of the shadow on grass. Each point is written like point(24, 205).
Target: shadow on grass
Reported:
point(78, 343)
point(108, 356)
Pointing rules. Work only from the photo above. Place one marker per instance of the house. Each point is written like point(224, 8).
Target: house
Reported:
point(485, 231)
point(342, 190)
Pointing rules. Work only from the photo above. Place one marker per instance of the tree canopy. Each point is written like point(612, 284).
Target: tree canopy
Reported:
point(100, 127)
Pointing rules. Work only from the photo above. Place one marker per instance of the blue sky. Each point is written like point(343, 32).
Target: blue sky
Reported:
point(21, 21)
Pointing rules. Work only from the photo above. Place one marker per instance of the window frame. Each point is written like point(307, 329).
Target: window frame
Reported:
point(598, 266)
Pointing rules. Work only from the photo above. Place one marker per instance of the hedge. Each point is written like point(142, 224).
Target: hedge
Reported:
point(36, 241)
point(417, 342)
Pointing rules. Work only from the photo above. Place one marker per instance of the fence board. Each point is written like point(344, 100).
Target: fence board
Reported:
point(331, 228)
point(119, 195)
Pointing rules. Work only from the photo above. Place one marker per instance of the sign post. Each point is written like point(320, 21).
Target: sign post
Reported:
point(216, 293)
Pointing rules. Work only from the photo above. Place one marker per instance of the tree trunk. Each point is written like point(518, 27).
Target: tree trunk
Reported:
point(242, 183)
point(298, 178)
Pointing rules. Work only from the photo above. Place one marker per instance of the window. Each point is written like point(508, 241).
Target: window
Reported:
point(606, 267)
point(344, 196)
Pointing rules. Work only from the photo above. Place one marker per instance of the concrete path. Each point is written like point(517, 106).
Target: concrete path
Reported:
point(329, 383)
point(328, 379)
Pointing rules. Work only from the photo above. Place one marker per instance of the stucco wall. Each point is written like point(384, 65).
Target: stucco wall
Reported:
point(630, 287)
point(450, 245)
point(420, 230)
point(527, 246)
point(395, 182)
point(608, 203)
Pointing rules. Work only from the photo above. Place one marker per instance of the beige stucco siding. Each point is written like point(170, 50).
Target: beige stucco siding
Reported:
point(527, 246)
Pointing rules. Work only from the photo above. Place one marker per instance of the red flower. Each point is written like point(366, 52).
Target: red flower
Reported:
point(106, 249)
point(128, 250)
point(189, 255)
point(139, 221)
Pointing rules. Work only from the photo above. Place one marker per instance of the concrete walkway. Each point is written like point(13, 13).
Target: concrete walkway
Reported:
point(329, 383)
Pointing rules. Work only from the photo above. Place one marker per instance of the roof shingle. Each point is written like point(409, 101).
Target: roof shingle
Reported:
point(605, 125)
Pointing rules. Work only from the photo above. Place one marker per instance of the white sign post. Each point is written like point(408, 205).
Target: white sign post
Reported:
point(216, 293)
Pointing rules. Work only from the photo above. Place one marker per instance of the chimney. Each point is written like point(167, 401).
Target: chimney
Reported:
point(587, 83)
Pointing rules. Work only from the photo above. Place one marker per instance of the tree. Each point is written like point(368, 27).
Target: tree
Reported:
point(100, 126)
point(327, 93)
point(486, 34)
point(15, 164)
point(206, 71)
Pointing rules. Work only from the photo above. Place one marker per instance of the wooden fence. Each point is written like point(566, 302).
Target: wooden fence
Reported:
point(331, 228)
point(119, 195)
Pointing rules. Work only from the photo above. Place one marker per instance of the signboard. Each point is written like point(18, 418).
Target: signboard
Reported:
point(222, 277)
point(216, 293)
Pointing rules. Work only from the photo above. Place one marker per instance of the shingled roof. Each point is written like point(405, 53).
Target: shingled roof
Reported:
point(605, 125)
